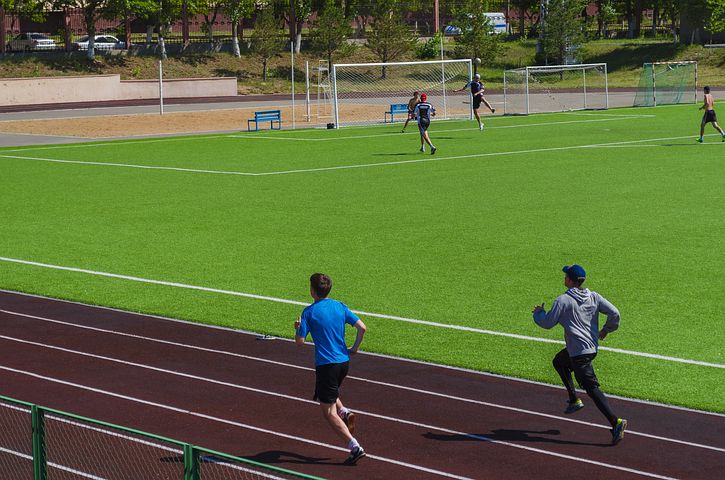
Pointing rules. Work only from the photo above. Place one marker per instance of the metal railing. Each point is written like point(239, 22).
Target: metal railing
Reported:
point(44, 444)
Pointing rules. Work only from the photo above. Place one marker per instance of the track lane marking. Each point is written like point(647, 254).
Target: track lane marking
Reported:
point(305, 440)
point(351, 377)
point(372, 354)
point(226, 421)
point(359, 312)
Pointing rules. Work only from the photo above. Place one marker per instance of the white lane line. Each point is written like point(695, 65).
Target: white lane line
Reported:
point(129, 165)
point(227, 422)
point(427, 159)
point(297, 367)
point(360, 312)
point(117, 143)
point(52, 464)
point(236, 331)
point(392, 419)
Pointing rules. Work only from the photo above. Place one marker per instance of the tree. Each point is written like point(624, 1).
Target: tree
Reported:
point(477, 39)
point(523, 6)
point(716, 20)
point(236, 10)
point(390, 38)
point(266, 42)
point(562, 29)
point(160, 13)
point(209, 10)
point(605, 16)
point(331, 31)
point(92, 12)
point(34, 9)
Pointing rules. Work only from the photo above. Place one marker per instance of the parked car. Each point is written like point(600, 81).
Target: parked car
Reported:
point(32, 41)
point(496, 20)
point(100, 42)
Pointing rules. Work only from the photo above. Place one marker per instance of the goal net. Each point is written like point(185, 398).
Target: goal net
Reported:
point(363, 93)
point(667, 83)
point(556, 88)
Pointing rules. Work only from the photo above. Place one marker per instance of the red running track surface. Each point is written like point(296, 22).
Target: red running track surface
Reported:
point(231, 392)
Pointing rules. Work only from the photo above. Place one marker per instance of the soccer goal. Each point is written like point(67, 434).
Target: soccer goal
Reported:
point(365, 93)
point(667, 83)
point(556, 88)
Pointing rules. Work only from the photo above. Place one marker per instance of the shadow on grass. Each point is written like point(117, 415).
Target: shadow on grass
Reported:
point(509, 435)
point(278, 456)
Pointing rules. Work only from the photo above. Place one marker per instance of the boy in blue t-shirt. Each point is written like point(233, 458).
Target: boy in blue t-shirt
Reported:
point(325, 320)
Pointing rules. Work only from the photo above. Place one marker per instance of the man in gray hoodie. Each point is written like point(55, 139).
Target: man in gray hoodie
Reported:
point(577, 310)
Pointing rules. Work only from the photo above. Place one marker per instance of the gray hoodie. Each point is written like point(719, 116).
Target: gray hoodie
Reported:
point(577, 311)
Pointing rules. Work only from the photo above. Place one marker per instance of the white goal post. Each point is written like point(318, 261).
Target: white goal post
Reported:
point(556, 88)
point(363, 93)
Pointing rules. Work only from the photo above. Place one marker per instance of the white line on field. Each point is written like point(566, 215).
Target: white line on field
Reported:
point(354, 166)
point(368, 314)
point(297, 367)
point(415, 132)
point(238, 331)
point(263, 430)
point(315, 442)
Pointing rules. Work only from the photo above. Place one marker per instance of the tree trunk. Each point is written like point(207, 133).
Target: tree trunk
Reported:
point(66, 29)
point(638, 7)
point(522, 22)
point(630, 19)
point(292, 21)
point(264, 70)
point(90, 21)
point(235, 40)
point(162, 44)
point(298, 36)
point(655, 17)
point(2, 30)
point(127, 28)
point(600, 19)
point(149, 34)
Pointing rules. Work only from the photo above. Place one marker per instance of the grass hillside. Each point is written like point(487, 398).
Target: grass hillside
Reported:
point(624, 59)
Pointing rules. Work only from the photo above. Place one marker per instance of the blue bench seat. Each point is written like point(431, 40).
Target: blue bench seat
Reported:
point(270, 116)
point(396, 108)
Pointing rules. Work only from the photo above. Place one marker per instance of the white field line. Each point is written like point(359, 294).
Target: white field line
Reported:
point(466, 129)
point(304, 400)
point(360, 312)
point(117, 143)
point(236, 331)
point(129, 165)
point(314, 442)
point(244, 425)
point(426, 159)
point(51, 464)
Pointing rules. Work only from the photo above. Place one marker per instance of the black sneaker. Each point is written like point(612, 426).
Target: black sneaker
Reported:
point(349, 419)
point(618, 431)
point(355, 454)
point(433, 150)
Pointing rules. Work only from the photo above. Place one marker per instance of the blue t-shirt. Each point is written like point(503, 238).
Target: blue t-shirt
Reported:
point(325, 320)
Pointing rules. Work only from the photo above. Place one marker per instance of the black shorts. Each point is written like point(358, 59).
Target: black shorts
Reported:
point(582, 367)
point(423, 125)
point(477, 101)
point(710, 116)
point(328, 379)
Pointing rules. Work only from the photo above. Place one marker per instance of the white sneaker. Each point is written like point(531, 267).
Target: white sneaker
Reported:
point(480, 127)
point(422, 149)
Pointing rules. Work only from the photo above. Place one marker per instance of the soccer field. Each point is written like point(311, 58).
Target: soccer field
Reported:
point(449, 251)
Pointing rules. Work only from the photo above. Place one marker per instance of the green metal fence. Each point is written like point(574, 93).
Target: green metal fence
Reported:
point(46, 444)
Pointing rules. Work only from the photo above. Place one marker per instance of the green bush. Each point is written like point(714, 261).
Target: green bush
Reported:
point(431, 48)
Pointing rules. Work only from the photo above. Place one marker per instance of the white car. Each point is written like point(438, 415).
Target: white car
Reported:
point(27, 42)
point(100, 42)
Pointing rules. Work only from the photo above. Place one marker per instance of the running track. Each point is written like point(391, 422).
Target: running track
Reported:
point(252, 398)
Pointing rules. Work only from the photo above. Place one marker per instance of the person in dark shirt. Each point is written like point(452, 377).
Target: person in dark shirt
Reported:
point(477, 95)
point(423, 112)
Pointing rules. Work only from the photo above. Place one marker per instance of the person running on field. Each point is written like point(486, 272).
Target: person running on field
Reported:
point(424, 111)
point(710, 116)
point(411, 108)
point(325, 320)
point(577, 310)
point(477, 95)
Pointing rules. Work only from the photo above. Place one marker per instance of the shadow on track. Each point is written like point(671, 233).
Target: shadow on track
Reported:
point(508, 435)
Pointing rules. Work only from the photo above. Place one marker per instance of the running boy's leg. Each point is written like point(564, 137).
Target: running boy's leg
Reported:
point(562, 365)
point(485, 102)
point(584, 372)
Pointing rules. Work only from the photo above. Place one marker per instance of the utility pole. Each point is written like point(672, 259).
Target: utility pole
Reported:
point(542, 27)
point(436, 7)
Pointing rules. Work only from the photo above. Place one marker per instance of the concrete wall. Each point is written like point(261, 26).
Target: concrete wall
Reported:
point(32, 91)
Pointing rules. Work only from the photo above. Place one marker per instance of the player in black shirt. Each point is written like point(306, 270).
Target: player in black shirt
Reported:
point(423, 112)
point(477, 94)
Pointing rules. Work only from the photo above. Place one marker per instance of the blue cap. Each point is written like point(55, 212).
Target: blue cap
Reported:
point(575, 272)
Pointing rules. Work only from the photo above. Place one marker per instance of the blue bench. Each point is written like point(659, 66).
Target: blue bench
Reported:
point(270, 116)
point(395, 108)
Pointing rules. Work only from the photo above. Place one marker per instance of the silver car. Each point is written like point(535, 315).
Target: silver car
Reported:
point(31, 41)
point(100, 42)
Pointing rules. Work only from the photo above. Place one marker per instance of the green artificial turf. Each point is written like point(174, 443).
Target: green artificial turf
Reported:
point(474, 236)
